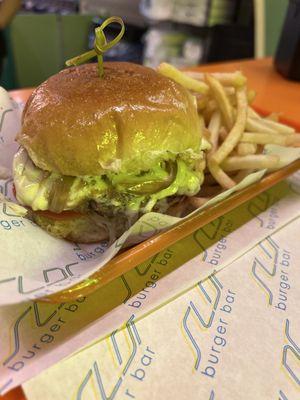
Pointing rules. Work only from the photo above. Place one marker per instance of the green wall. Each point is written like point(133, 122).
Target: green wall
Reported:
point(36, 48)
point(41, 44)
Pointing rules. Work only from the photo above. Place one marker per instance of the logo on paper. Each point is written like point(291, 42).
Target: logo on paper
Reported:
point(213, 234)
point(104, 380)
point(291, 355)
point(208, 312)
point(205, 316)
point(2, 119)
point(282, 396)
point(270, 270)
point(263, 210)
point(6, 190)
point(42, 316)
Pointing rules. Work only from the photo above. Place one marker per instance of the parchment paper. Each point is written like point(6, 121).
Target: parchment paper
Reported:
point(34, 336)
point(235, 335)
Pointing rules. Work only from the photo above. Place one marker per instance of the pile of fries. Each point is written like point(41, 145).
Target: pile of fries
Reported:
point(237, 134)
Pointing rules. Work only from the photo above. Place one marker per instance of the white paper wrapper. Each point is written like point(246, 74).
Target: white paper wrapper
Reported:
point(34, 264)
point(235, 335)
point(35, 336)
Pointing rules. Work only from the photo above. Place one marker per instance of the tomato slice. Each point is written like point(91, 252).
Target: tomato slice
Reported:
point(52, 215)
point(14, 190)
point(59, 216)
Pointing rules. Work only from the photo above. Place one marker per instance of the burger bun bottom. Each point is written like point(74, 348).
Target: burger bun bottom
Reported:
point(80, 230)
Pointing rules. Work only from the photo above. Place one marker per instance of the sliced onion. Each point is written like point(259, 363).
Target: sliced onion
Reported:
point(154, 186)
point(59, 193)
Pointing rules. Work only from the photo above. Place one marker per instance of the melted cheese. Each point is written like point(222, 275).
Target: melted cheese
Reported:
point(34, 186)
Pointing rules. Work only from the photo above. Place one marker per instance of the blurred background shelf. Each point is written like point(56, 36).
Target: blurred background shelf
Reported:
point(184, 32)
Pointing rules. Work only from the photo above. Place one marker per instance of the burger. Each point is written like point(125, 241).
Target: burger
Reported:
point(97, 153)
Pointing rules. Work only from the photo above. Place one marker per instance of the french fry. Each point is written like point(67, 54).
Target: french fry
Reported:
point(221, 99)
point(236, 132)
point(273, 117)
point(206, 133)
point(229, 90)
point(278, 127)
point(232, 98)
point(214, 129)
point(182, 78)
point(252, 113)
point(263, 138)
point(263, 125)
point(251, 96)
point(212, 105)
point(235, 79)
point(232, 101)
point(260, 161)
point(220, 176)
point(207, 114)
point(223, 133)
point(271, 138)
point(257, 125)
point(294, 140)
point(244, 149)
point(202, 102)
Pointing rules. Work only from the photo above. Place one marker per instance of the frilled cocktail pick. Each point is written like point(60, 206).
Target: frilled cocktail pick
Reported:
point(100, 45)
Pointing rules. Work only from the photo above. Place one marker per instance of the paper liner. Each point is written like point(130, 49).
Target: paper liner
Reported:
point(235, 335)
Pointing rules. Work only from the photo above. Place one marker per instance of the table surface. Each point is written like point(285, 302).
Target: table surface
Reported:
point(274, 94)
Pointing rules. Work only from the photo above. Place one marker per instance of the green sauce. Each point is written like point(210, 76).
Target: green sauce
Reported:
point(123, 191)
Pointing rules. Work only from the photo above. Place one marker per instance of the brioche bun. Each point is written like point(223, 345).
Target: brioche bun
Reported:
point(77, 123)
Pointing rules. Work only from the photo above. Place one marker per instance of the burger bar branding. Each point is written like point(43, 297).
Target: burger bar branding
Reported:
point(291, 353)
point(262, 210)
point(133, 362)
point(3, 115)
point(10, 220)
point(84, 255)
point(59, 276)
point(271, 271)
point(17, 359)
point(216, 304)
point(217, 232)
point(262, 203)
point(49, 321)
point(154, 269)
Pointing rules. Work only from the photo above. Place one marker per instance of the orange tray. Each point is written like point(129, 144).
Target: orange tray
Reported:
point(136, 255)
point(130, 258)
point(285, 98)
